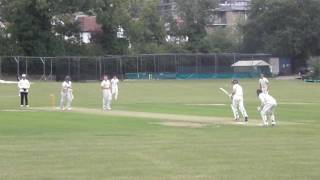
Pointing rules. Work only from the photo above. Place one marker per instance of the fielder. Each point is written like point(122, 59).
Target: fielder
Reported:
point(115, 88)
point(237, 101)
point(66, 94)
point(106, 93)
point(267, 108)
point(24, 86)
point(264, 84)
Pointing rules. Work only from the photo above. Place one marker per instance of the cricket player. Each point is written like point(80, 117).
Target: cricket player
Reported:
point(237, 101)
point(106, 93)
point(264, 84)
point(24, 86)
point(66, 94)
point(267, 108)
point(115, 88)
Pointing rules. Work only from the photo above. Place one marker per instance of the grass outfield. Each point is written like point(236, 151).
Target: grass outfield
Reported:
point(76, 145)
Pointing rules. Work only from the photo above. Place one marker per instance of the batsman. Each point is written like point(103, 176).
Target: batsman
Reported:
point(66, 94)
point(237, 101)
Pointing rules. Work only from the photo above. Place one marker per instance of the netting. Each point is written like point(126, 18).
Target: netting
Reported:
point(153, 66)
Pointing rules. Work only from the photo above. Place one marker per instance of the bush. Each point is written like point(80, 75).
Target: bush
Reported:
point(314, 64)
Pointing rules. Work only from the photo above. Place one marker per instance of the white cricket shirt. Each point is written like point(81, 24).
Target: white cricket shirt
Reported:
point(114, 83)
point(267, 99)
point(264, 82)
point(106, 84)
point(24, 85)
point(66, 87)
point(237, 89)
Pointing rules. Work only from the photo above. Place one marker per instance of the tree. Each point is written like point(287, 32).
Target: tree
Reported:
point(30, 25)
point(314, 63)
point(148, 33)
point(289, 28)
point(114, 16)
point(221, 40)
point(33, 27)
point(136, 7)
point(194, 17)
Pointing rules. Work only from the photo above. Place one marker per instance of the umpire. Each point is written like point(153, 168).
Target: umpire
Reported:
point(24, 86)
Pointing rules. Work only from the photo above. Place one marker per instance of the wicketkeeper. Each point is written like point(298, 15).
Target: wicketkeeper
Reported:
point(267, 108)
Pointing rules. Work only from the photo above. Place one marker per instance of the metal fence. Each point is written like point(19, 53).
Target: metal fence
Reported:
point(151, 66)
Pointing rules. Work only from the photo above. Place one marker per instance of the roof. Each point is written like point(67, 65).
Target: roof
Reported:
point(250, 63)
point(89, 24)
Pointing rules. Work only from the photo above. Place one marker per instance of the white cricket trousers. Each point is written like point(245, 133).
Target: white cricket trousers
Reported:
point(106, 99)
point(267, 113)
point(66, 98)
point(265, 90)
point(115, 93)
point(237, 104)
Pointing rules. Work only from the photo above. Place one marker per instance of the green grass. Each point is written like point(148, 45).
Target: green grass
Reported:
point(68, 145)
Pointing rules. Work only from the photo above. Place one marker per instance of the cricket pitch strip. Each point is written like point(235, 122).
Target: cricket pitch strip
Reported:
point(174, 120)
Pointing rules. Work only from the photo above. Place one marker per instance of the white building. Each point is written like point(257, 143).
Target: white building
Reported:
point(167, 8)
point(88, 27)
point(230, 13)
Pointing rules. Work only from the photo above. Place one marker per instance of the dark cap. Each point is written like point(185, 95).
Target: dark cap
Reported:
point(235, 81)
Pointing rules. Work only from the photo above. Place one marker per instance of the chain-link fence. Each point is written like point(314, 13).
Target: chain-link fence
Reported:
point(153, 66)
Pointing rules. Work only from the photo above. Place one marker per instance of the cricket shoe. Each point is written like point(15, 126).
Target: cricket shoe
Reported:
point(246, 119)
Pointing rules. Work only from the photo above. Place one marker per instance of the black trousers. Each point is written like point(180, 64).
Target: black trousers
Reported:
point(24, 98)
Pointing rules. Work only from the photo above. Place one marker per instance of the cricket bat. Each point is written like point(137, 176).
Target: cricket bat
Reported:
point(225, 92)
point(72, 97)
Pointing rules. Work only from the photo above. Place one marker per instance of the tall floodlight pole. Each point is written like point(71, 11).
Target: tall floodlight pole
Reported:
point(0, 66)
point(18, 65)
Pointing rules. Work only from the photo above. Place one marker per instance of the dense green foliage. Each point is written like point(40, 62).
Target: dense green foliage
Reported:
point(222, 40)
point(289, 28)
point(195, 17)
point(39, 28)
point(148, 32)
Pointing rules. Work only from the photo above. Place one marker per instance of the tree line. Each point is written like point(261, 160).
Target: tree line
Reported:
point(289, 28)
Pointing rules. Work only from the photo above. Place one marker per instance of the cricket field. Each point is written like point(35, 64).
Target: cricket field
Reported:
point(159, 130)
